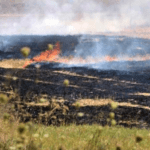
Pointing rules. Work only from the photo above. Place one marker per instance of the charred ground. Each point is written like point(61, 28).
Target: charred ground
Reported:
point(132, 88)
point(107, 45)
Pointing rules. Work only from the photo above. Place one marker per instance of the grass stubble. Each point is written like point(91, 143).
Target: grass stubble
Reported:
point(16, 135)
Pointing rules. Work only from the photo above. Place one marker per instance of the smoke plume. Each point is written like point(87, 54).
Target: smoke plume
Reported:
point(71, 16)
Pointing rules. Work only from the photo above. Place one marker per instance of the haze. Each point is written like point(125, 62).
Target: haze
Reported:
point(42, 17)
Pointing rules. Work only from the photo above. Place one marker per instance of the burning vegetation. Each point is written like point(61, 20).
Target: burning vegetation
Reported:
point(90, 55)
point(81, 95)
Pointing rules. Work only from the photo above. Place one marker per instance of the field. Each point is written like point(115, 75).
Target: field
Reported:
point(51, 107)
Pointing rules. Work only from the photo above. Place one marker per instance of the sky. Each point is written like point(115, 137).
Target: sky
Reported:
point(71, 16)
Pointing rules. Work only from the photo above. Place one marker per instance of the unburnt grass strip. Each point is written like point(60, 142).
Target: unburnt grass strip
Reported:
point(85, 137)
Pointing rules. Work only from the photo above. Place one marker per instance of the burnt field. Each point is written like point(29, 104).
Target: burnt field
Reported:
point(92, 87)
point(125, 82)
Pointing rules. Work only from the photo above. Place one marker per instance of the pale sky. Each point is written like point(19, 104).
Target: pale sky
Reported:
point(71, 16)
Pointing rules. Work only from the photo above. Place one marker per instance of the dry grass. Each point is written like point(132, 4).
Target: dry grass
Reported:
point(12, 63)
point(75, 74)
point(102, 102)
point(142, 94)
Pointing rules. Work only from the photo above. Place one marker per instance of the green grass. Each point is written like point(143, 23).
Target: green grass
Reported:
point(73, 137)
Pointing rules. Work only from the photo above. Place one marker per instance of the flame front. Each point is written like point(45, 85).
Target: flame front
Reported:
point(48, 55)
point(53, 56)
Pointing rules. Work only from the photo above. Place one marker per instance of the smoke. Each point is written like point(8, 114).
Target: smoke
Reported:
point(71, 16)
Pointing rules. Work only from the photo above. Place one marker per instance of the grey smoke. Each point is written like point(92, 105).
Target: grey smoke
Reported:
point(71, 16)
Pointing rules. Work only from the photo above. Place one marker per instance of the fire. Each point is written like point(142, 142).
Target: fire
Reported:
point(48, 55)
point(109, 58)
point(53, 56)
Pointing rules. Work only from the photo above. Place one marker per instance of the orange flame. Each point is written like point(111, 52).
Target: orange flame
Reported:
point(48, 55)
point(109, 58)
point(53, 55)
